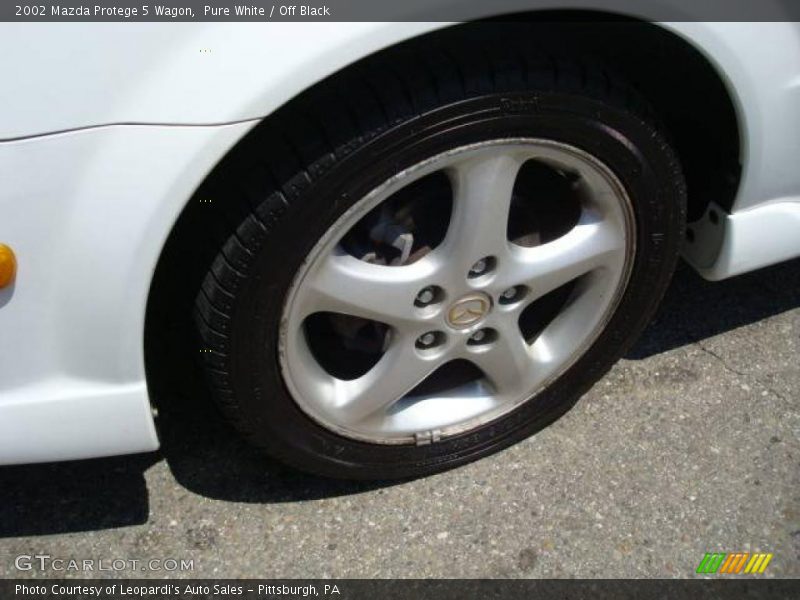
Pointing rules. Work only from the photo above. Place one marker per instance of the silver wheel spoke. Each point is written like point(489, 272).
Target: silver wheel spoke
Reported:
point(593, 243)
point(343, 284)
point(557, 342)
point(482, 187)
point(398, 371)
point(508, 362)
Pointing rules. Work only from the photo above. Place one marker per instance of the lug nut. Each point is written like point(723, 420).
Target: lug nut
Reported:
point(432, 294)
point(482, 337)
point(479, 267)
point(426, 296)
point(478, 336)
point(428, 340)
point(482, 267)
point(513, 294)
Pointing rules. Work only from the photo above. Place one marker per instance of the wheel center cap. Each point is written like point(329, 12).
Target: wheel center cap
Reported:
point(468, 310)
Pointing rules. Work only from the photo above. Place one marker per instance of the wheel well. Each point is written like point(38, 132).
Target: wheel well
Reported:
point(687, 94)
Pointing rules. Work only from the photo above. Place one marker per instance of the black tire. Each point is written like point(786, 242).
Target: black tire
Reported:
point(345, 137)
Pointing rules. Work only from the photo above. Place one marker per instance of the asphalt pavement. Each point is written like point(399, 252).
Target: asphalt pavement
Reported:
point(691, 444)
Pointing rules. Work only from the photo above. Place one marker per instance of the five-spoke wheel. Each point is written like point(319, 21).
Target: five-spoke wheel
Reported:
point(464, 299)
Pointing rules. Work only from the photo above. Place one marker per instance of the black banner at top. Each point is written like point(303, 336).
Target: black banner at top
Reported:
point(379, 10)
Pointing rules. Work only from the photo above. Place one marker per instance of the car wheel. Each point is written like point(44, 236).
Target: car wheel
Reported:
point(444, 270)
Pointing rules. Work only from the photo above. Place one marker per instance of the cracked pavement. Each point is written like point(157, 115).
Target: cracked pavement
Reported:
point(691, 444)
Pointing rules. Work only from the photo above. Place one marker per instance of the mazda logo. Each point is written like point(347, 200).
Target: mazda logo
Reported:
point(468, 310)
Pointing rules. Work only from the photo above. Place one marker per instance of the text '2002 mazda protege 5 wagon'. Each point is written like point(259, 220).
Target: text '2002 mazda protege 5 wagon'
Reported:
point(392, 248)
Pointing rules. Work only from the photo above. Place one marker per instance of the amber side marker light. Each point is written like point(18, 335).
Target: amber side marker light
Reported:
point(8, 266)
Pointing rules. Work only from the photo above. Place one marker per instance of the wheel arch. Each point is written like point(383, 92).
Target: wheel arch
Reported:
point(187, 254)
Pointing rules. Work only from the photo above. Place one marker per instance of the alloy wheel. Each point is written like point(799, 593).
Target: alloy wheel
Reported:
point(456, 290)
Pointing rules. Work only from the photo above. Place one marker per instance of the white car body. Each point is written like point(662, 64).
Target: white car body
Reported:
point(107, 129)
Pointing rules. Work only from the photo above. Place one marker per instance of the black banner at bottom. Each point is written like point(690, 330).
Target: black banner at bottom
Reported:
point(417, 589)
